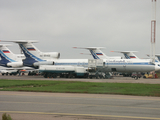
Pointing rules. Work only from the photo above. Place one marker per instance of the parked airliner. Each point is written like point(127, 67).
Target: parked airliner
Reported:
point(116, 65)
point(34, 57)
point(11, 62)
point(8, 59)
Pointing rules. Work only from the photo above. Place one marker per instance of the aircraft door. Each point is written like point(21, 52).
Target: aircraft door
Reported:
point(105, 64)
point(125, 65)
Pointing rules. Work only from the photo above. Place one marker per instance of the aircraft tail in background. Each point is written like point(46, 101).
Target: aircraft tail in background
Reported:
point(9, 59)
point(128, 54)
point(97, 53)
point(158, 56)
point(34, 57)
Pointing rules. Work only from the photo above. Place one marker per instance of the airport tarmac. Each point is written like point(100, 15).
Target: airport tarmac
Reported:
point(116, 79)
point(68, 106)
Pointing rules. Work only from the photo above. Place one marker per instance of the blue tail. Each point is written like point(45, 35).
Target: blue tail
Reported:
point(4, 59)
point(94, 54)
point(126, 56)
point(30, 58)
point(158, 58)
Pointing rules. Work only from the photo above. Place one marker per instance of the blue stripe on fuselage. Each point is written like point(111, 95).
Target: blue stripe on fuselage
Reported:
point(110, 63)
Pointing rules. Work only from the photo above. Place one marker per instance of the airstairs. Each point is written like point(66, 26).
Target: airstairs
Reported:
point(96, 69)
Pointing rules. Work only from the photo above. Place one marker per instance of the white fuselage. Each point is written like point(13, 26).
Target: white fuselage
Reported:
point(113, 65)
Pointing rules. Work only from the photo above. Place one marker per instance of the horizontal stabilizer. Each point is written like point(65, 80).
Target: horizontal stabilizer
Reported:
point(125, 51)
point(20, 41)
point(85, 54)
point(5, 45)
point(157, 55)
point(90, 48)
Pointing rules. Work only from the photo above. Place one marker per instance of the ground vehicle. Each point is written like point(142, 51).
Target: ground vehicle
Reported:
point(127, 74)
point(136, 75)
point(151, 75)
point(62, 71)
point(9, 72)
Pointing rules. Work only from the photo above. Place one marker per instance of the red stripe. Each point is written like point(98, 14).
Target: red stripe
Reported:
point(132, 57)
point(99, 54)
point(6, 52)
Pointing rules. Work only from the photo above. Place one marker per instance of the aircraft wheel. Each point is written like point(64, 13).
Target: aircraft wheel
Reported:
point(135, 78)
point(61, 75)
point(86, 76)
point(97, 77)
point(70, 76)
point(45, 75)
point(54, 75)
point(49, 75)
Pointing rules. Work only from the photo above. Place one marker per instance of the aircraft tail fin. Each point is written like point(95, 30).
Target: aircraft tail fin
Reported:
point(128, 54)
point(95, 52)
point(31, 53)
point(6, 55)
point(158, 56)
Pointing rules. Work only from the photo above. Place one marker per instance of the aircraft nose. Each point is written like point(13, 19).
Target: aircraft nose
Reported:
point(157, 68)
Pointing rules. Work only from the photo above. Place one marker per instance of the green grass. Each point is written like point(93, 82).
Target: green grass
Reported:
point(81, 87)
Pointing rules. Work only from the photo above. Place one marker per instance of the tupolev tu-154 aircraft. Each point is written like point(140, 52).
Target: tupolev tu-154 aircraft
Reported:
point(8, 59)
point(110, 65)
point(12, 63)
point(34, 57)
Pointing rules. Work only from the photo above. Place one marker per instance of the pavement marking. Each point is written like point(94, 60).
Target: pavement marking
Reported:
point(71, 114)
point(81, 105)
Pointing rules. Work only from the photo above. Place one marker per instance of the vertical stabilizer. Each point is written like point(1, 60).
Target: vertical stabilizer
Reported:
point(97, 53)
point(6, 55)
point(9, 59)
point(31, 53)
point(34, 55)
point(128, 54)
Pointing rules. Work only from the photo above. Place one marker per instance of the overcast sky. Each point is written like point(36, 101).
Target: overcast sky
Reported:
point(60, 25)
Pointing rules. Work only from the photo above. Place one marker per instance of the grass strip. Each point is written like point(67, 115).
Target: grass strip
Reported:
point(137, 89)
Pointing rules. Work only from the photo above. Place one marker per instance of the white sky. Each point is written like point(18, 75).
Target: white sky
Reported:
point(60, 25)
